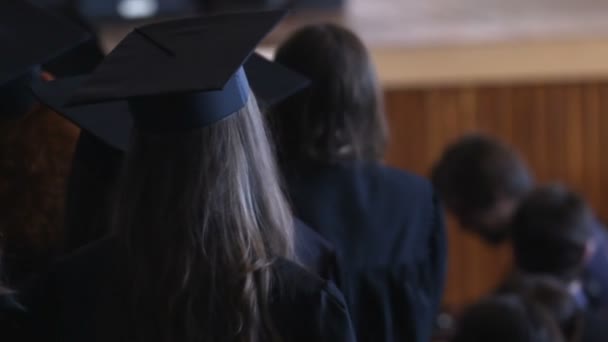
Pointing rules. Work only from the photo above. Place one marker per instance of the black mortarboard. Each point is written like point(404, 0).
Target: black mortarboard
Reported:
point(181, 74)
point(111, 122)
point(82, 59)
point(29, 36)
point(272, 82)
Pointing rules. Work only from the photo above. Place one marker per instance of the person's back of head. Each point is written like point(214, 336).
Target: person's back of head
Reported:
point(507, 318)
point(36, 150)
point(340, 116)
point(551, 232)
point(202, 214)
point(200, 220)
point(90, 191)
point(481, 180)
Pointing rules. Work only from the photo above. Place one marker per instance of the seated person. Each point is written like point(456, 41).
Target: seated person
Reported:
point(481, 181)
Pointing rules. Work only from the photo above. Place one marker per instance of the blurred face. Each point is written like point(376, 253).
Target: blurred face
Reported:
point(491, 225)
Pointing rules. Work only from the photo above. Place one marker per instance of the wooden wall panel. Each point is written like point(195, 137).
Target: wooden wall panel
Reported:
point(558, 129)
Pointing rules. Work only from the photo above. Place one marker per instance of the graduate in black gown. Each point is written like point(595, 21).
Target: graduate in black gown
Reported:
point(35, 143)
point(202, 231)
point(385, 224)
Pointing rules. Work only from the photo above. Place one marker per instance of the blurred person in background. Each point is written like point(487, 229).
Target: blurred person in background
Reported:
point(552, 234)
point(385, 224)
point(83, 58)
point(482, 181)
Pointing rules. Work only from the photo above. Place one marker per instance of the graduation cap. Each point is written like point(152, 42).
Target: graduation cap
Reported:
point(111, 122)
point(85, 57)
point(180, 74)
point(29, 36)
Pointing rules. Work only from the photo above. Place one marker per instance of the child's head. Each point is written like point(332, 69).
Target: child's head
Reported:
point(552, 233)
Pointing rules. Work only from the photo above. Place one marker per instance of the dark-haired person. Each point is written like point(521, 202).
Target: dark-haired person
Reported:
point(507, 318)
point(203, 233)
point(385, 224)
point(36, 144)
point(482, 181)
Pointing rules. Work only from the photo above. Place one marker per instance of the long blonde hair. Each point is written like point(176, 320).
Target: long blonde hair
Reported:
point(204, 218)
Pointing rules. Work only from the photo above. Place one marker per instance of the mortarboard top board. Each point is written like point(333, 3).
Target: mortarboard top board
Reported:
point(181, 74)
point(29, 36)
point(111, 122)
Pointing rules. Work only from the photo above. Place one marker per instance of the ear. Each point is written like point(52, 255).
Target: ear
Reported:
point(590, 248)
point(46, 76)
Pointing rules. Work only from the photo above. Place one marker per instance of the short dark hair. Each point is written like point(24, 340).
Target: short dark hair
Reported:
point(550, 231)
point(473, 173)
point(507, 318)
point(340, 116)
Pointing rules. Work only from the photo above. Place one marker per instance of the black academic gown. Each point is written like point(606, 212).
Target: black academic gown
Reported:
point(315, 253)
point(388, 231)
point(95, 171)
point(84, 299)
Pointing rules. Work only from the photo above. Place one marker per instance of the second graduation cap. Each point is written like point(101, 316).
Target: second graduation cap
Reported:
point(29, 36)
point(180, 74)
